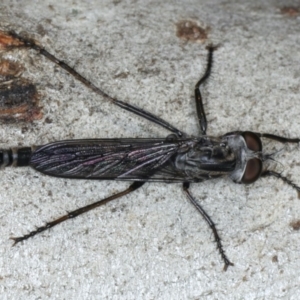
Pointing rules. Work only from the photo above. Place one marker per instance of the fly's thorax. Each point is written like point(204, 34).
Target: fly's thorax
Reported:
point(207, 156)
point(247, 148)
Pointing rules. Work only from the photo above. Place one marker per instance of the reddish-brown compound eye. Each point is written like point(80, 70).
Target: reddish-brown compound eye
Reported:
point(252, 171)
point(253, 142)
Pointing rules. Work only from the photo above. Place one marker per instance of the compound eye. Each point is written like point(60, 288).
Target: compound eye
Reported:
point(253, 142)
point(252, 171)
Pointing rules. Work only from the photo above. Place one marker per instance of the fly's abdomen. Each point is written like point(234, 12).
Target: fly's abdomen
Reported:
point(17, 157)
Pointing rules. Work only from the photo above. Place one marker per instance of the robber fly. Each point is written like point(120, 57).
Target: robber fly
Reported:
point(176, 158)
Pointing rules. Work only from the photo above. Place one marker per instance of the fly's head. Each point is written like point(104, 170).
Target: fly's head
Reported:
point(247, 148)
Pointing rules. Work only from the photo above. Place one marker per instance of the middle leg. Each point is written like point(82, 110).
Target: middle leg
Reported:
point(211, 224)
point(198, 97)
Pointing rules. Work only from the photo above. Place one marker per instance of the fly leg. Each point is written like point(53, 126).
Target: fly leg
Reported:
point(30, 43)
point(78, 212)
point(210, 223)
point(283, 140)
point(198, 97)
point(278, 138)
point(269, 173)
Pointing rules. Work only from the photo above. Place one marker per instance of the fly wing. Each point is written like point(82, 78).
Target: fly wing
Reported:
point(122, 159)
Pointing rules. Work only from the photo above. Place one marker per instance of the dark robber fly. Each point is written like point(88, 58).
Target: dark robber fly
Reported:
point(176, 158)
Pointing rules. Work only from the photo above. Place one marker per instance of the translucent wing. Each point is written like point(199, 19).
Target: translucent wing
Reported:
point(122, 159)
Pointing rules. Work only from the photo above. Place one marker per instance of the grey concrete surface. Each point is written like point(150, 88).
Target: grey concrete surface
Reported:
point(152, 244)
